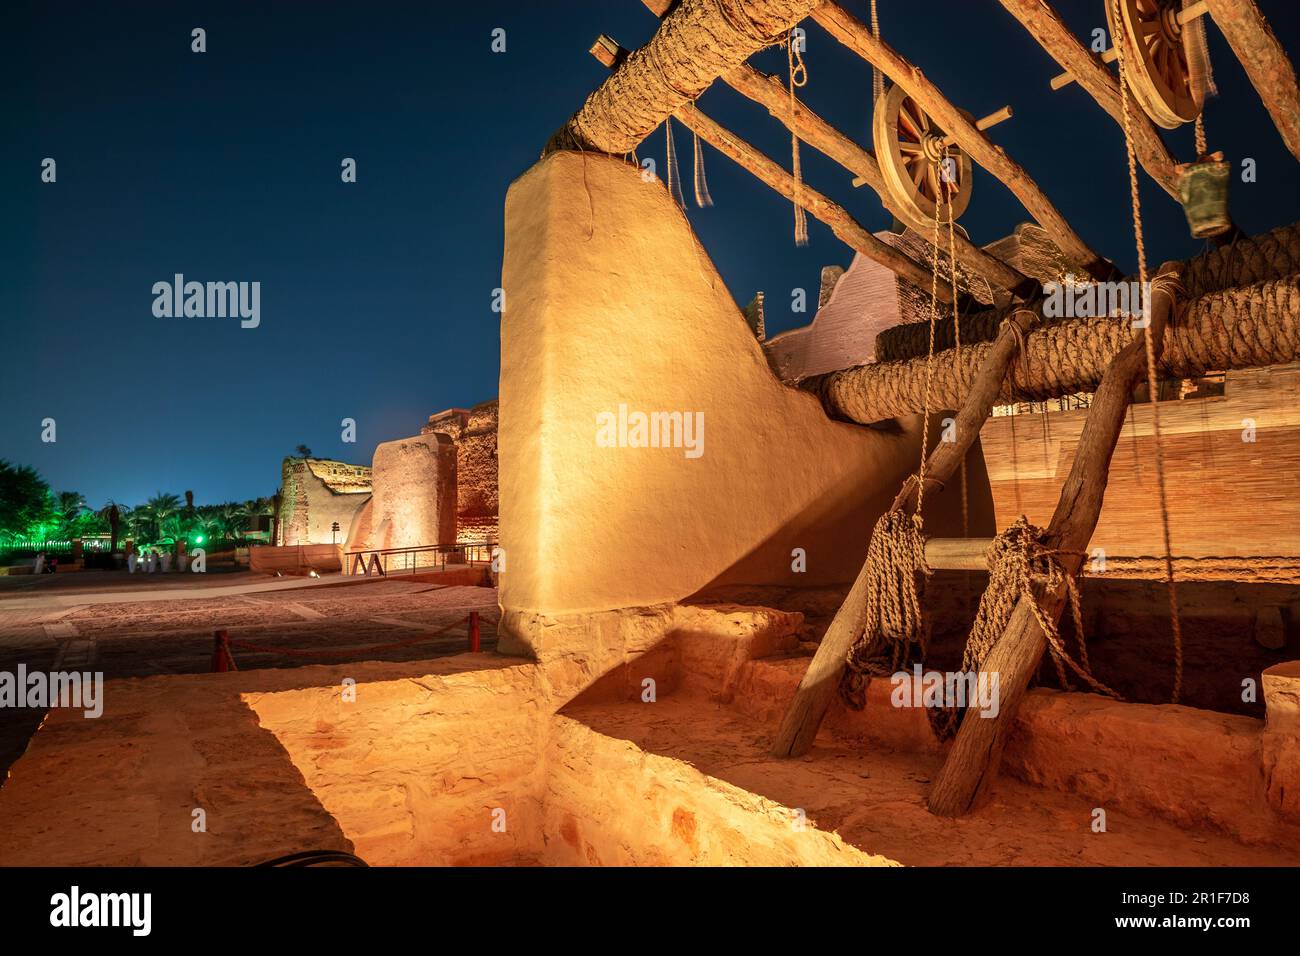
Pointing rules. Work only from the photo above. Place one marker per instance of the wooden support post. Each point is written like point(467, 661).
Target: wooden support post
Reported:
point(1265, 62)
point(855, 35)
point(973, 761)
point(817, 689)
point(1056, 38)
point(772, 95)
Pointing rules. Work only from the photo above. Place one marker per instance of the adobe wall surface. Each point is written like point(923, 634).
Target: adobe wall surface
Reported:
point(315, 493)
point(414, 499)
point(1226, 496)
point(474, 432)
point(610, 301)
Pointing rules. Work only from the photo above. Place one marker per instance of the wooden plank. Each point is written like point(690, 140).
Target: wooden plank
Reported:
point(855, 35)
point(844, 226)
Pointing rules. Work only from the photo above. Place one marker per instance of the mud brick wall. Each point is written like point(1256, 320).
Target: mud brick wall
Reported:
point(474, 432)
point(316, 492)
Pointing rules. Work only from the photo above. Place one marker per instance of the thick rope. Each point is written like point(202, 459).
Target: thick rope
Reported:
point(798, 78)
point(1014, 558)
point(1152, 380)
point(1245, 261)
point(894, 634)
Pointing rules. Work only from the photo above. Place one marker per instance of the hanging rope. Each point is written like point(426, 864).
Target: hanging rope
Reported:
point(702, 197)
point(674, 176)
point(1152, 382)
point(894, 633)
point(798, 78)
point(1199, 73)
point(877, 78)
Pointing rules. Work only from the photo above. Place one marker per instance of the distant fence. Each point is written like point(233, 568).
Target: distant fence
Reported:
point(425, 557)
point(29, 547)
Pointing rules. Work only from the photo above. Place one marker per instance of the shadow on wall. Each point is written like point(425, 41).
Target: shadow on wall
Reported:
point(837, 529)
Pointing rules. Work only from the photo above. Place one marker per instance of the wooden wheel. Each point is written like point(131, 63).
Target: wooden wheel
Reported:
point(1155, 61)
point(907, 146)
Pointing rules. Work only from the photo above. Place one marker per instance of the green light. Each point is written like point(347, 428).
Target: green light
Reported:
point(199, 539)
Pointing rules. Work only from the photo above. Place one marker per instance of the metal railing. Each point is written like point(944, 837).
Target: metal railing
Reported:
point(389, 561)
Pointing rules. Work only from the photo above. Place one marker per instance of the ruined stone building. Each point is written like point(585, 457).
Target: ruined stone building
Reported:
point(437, 487)
point(314, 494)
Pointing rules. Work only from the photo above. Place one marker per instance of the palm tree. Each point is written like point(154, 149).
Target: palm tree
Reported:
point(68, 507)
point(303, 451)
point(113, 514)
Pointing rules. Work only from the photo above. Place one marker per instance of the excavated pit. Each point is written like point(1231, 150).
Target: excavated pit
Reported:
point(478, 760)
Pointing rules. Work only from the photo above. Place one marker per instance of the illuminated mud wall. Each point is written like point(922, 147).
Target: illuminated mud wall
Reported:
point(474, 432)
point(612, 309)
point(315, 493)
point(414, 500)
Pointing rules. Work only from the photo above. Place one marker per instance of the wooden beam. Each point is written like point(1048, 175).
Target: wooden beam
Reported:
point(1265, 62)
point(696, 43)
point(1243, 327)
point(771, 94)
point(844, 226)
point(855, 35)
point(820, 682)
point(1055, 37)
point(969, 554)
point(848, 229)
point(973, 761)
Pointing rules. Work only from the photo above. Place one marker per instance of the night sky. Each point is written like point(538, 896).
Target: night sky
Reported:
point(376, 296)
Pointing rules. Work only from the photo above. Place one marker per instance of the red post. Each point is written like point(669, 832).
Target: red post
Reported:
point(220, 652)
point(473, 632)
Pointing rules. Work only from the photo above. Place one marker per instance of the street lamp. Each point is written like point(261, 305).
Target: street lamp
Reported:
point(334, 528)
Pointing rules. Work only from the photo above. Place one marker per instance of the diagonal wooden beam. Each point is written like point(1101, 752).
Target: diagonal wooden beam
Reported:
point(770, 93)
point(846, 228)
point(1055, 37)
point(855, 35)
point(1265, 62)
point(972, 763)
point(695, 44)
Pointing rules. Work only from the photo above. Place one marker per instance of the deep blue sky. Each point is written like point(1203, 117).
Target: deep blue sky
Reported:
point(376, 296)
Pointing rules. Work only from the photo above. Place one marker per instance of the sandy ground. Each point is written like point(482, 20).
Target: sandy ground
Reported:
point(875, 799)
point(139, 638)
